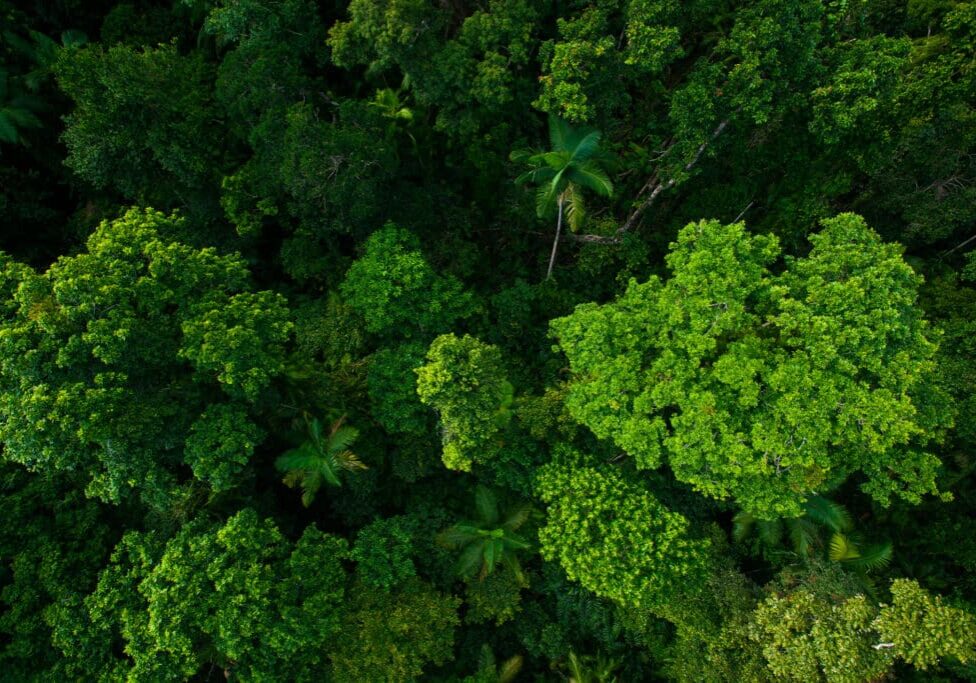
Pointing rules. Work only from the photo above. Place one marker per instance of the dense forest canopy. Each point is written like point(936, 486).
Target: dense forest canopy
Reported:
point(393, 340)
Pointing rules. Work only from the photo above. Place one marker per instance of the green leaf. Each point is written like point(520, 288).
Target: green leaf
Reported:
point(842, 549)
point(827, 513)
point(874, 557)
point(486, 504)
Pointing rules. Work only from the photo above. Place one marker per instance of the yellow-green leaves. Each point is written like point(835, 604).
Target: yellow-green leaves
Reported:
point(762, 387)
point(923, 629)
point(613, 536)
point(464, 380)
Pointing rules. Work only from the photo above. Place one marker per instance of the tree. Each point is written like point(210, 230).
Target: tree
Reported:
point(765, 388)
point(136, 359)
point(613, 537)
point(237, 595)
point(921, 629)
point(141, 123)
point(464, 381)
point(393, 636)
point(397, 292)
point(575, 162)
point(489, 539)
point(320, 458)
point(383, 552)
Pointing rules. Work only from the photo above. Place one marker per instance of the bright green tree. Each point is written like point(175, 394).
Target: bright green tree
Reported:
point(137, 358)
point(238, 596)
point(396, 290)
point(464, 381)
point(765, 388)
point(613, 536)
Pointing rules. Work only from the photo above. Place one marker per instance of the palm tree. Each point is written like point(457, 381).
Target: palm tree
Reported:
point(489, 540)
point(320, 458)
point(591, 669)
point(575, 162)
point(845, 545)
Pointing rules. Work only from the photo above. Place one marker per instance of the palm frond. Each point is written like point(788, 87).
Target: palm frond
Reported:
point(575, 208)
point(511, 561)
point(350, 461)
point(471, 560)
point(770, 532)
point(803, 535)
point(742, 525)
point(517, 516)
point(302, 458)
point(842, 549)
point(591, 176)
point(486, 504)
point(828, 513)
point(522, 156)
point(457, 536)
point(342, 437)
point(545, 200)
point(536, 175)
point(874, 557)
point(515, 542)
point(560, 133)
point(509, 669)
point(588, 145)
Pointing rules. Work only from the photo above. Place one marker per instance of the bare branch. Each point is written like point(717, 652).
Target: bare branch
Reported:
point(656, 187)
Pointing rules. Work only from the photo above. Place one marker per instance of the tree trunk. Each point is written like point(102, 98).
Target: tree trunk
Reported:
point(555, 242)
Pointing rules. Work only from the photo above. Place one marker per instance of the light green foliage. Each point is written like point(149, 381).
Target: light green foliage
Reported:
point(237, 596)
point(93, 361)
point(142, 120)
point(393, 636)
point(824, 631)
point(806, 637)
point(759, 387)
point(464, 381)
point(614, 537)
point(383, 552)
point(241, 341)
point(397, 292)
point(923, 628)
point(392, 385)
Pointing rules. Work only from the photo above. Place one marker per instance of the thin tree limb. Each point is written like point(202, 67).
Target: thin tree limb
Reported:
point(656, 188)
